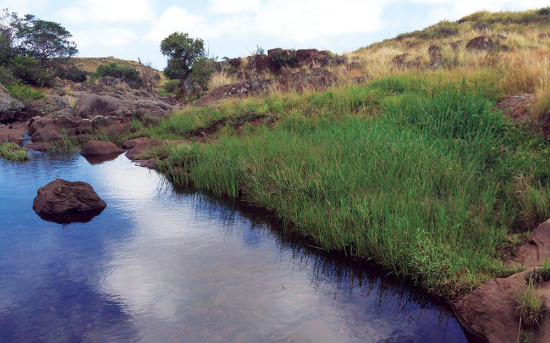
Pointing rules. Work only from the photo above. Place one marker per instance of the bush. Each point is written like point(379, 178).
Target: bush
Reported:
point(29, 70)
point(171, 86)
point(6, 77)
point(73, 73)
point(127, 74)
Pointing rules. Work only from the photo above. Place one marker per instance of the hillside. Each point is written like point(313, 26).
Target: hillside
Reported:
point(426, 154)
point(90, 64)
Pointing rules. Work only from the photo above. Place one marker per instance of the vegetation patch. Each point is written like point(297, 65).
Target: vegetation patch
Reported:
point(13, 152)
point(423, 177)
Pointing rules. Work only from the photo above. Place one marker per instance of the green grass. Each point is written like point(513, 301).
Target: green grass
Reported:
point(529, 306)
point(13, 152)
point(25, 93)
point(426, 179)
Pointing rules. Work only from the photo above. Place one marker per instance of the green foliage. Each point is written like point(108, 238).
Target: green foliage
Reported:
point(13, 152)
point(283, 59)
point(171, 86)
point(125, 73)
point(182, 52)
point(25, 93)
point(423, 185)
point(44, 39)
point(29, 70)
point(73, 73)
point(202, 71)
point(529, 306)
point(6, 77)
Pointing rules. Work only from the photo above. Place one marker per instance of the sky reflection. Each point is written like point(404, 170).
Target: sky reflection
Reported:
point(162, 265)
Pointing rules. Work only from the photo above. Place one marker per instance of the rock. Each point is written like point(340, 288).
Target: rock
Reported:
point(150, 163)
point(481, 43)
point(490, 310)
point(63, 202)
point(111, 125)
point(85, 127)
point(436, 58)
point(537, 249)
point(403, 61)
point(13, 132)
point(39, 146)
point(140, 146)
point(97, 148)
point(44, 129)
point(233, 90)
point(92, 105)
point(318, 79)
point(8, 105)
point(517, 107)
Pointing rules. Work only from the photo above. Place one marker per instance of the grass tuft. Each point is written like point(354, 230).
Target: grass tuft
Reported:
point(13, 152)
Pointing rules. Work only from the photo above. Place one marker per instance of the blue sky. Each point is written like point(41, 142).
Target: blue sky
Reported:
point(133, 29)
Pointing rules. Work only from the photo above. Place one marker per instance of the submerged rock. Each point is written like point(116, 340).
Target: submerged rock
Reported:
point(65, 202)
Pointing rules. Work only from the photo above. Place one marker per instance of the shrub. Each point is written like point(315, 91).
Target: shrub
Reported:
point(73, 73)
point(30, 71)
point(171, 86)
point(6, 77)
point(127, 74)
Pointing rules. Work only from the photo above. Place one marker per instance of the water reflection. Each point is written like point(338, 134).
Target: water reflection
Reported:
point(165, 265)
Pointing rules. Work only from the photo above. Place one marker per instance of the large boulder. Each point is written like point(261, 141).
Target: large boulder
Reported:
point(124, 105)
point(63, 202)
point(8, 105)
point(99, 148)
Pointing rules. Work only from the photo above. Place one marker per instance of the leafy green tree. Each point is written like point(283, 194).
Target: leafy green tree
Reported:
point(43, 39)
point(182, 52)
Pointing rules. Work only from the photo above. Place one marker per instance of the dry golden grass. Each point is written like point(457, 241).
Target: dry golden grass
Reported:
point(221, 79)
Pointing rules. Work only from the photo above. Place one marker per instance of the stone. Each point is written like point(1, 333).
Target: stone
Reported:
point(8, 105)
point(98, 148)
point(64, 202)
point(481, 43)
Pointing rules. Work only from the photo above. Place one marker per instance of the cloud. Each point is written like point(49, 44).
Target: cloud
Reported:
point(294, 21)
point(108, 11)
point(179, 19)
point(233, 6)
point(22, 7)
point(112, 37)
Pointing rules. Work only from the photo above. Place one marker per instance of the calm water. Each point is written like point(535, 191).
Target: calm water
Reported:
point(160, 265)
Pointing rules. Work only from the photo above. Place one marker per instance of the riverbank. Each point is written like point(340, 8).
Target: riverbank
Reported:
point(422, 176)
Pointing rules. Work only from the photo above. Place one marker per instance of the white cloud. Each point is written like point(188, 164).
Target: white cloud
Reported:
point(112, 37)
point(294, 21)
point(108, 11)
point(22, 7)
point(179, 19)
point(233, 6)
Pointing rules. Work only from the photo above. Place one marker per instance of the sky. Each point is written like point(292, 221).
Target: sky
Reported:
point(132, 29)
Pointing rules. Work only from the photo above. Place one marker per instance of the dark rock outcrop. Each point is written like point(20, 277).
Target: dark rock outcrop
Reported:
point(63, 202)
point(100, 148)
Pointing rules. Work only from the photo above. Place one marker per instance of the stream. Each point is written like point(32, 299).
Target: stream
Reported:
point(163, 264)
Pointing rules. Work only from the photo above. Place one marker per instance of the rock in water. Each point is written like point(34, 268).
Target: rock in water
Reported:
point(99, 148)
point(65, 202)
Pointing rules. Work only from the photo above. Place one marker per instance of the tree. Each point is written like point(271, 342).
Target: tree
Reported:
point(43, 39)
point(182, 52)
